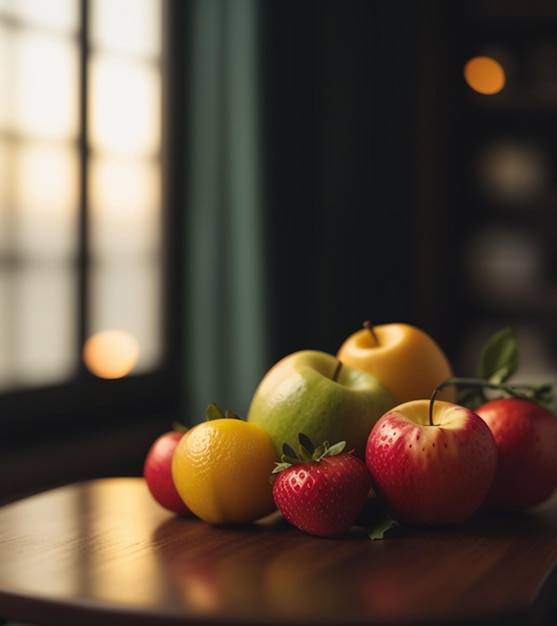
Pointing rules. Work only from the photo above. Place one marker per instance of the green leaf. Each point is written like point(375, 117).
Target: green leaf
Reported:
point(499, 357)
point(178, 426)
point(306, 444)
point(279, 467)
point(335, 449)
point(213, 412)
point(288, 451)
point(498, 361)
point(378, 529)
point(377, 519)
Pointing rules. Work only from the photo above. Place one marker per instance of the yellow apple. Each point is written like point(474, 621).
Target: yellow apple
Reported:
point(407, 360)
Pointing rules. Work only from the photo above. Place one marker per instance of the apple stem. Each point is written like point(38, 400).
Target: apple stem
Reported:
point(336, 373)
point(432, 400)
point(369, 326)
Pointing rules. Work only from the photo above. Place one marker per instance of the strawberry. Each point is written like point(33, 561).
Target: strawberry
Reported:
point(321, 491)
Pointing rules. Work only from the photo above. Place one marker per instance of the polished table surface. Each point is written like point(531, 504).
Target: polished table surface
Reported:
point(103, 552)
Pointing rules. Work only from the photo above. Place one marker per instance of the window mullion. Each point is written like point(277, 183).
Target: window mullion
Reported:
point(83, 221)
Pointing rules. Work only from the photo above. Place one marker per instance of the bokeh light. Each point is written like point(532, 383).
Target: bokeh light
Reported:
point(111, 353)
point(484, 75)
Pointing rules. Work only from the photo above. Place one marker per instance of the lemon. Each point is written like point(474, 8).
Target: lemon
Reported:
point(221, 470)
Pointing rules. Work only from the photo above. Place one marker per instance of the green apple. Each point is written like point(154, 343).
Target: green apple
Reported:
point(313, 393)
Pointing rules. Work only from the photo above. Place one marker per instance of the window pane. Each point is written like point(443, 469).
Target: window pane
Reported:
point(125, 106)
point(43, 305)
point(125, 208)
point(59, 14)
point(126, 296)
point(5, 200)
point(124, 175)
point(46, 90)
point(46, 199)
point(6, 78)
point(129, 26)
point(40, 182)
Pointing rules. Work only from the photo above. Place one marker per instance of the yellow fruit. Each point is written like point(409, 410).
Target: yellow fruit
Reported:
point(221, 469)
point(407, 360)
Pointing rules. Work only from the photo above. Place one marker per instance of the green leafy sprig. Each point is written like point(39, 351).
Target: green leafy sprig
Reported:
point(498, 361)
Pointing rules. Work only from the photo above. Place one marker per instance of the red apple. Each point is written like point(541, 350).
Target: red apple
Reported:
point(157, 471)
point(434, 469)
point(526, 436)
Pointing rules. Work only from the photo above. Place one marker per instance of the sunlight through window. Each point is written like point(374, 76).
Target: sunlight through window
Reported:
point(46, 89)
point(125, 106)
point(46, 192)
point(110, 27)
point(125, 190)
point(80, 179)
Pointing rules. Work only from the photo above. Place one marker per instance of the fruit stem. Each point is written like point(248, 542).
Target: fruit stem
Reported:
point(529, 392)
point(369, 326)
point(336, 373)
point(431, 401)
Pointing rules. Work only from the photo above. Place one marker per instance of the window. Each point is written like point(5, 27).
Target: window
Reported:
point(83, 248)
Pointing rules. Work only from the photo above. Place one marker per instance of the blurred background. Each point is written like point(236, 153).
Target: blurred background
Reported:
point(192, 189)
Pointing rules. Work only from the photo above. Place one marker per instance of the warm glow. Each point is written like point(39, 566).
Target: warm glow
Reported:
point(111, 353)
point(118, 291)
point(45, 190)
point(125, 207)
point(4, 198)
point(124, 518)
point(484, 75)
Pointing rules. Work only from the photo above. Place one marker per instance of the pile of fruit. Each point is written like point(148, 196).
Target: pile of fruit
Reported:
point(380, 434)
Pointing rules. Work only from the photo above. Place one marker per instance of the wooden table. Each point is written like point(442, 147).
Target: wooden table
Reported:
point(103, 552)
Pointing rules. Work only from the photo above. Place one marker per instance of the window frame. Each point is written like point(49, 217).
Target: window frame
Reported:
point(86, 403)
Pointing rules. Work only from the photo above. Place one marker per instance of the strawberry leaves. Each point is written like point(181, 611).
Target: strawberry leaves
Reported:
point(214, 412)
point(307, 453)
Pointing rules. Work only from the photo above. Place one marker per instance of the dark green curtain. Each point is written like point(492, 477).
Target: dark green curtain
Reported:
point(299, 203)
point(226, 333)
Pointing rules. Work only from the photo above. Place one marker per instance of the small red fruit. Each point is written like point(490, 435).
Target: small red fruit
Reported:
point(321, 491)
point(157, 471)
point(525, 433)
